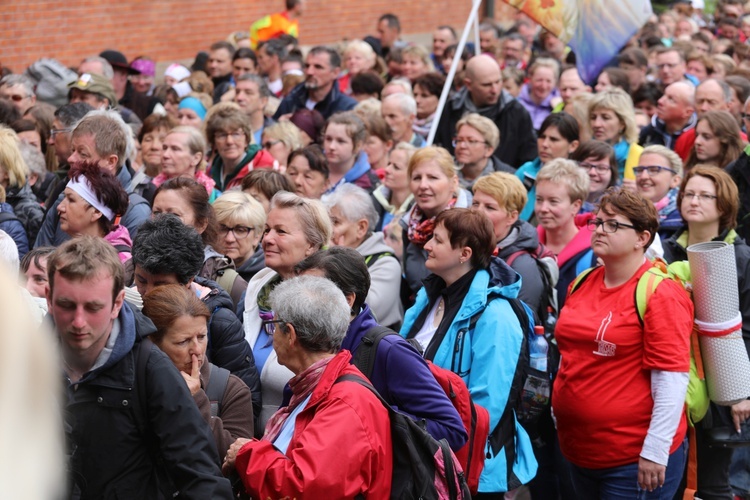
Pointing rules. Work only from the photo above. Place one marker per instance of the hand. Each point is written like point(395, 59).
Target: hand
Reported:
point(650, 474)
point(193, 379)
point(232, 454)
point(740, 413)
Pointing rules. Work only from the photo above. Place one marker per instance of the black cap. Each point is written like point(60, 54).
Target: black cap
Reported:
point(118, 60)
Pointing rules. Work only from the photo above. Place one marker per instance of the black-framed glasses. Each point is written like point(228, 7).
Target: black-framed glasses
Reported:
point(702, 197)
point(269, 325)
point(270, 144)
point(599, 168)
point(239, 232)
point(652, 170)
point(608, 226)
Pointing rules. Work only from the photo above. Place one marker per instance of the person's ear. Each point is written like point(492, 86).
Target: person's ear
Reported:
point(118, 304)
point(573, 146)
point(350, 298)
point(675, 181)
point(466, 253)
point(362, 227)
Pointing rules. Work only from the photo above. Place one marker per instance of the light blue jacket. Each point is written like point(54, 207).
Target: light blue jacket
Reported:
point(488, 361)
point(527, 173)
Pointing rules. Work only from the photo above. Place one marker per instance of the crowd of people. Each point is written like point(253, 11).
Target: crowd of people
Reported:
point(212, 246)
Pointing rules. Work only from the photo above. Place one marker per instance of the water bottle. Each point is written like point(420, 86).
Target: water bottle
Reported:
point(538, 350)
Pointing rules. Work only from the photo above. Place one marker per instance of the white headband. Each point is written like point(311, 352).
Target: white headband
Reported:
point(82, 186)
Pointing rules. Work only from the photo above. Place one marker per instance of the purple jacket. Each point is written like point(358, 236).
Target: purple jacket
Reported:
point(403, 378)
point(540, 111)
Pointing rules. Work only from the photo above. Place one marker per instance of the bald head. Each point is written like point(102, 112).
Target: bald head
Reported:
point(483, 80)
point(712, 95)
point(677, 105)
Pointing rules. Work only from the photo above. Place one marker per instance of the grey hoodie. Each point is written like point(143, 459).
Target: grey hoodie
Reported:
point(384, 297)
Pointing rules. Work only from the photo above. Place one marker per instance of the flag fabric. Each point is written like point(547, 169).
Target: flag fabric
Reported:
point(596, 30)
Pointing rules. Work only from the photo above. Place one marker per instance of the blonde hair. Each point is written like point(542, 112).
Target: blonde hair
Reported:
point(675, 162)
point(363, 48)
point(313, 217)
point(433, 153)
point(196, 143)
point(545, 62)
point(568, 174)
point(421, 53)
point(11, 160)
point(507, 190)
point(368, 108)
point(620, 103)
point(286, 132)
point(484, 126)
point(238, 207)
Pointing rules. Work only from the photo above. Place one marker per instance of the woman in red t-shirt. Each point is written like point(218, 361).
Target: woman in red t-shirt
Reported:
point(619, 394)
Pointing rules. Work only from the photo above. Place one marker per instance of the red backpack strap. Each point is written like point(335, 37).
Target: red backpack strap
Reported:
point(512, 257)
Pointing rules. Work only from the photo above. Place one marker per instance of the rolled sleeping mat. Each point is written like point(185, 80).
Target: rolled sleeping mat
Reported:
point(716, 297)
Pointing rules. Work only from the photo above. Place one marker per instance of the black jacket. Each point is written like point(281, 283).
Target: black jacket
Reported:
point(334, 102)
point(227, 346)
point(517, 136)
point(120, 439)
point(739, 170)
point(251, 266)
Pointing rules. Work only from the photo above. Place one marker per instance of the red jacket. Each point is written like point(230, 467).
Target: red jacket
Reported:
point(341, 446)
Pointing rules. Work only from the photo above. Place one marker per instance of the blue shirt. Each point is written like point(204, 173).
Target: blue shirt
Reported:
point(287, 430)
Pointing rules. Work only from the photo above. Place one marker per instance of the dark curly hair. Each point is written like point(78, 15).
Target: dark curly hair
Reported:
point(107, 188)
point(164, 245)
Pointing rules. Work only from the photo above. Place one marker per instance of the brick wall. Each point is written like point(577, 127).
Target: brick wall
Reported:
point(176, 29)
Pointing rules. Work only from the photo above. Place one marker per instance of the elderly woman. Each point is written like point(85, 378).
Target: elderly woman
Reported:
point(619, 395)
point(192, 109)
point(561, 188)
point(17, 190)
point(475, 141)
point(501, 196)
point(92, 204)
point(717, 140)
point(612, 120)
point(459, 289)
point(308, 172)
point(597, 158)
point(540, 95)
point(295, 228)
point(279, 140)
point(263, 184)
point(427, 90)
point(230, 137)
point(188, 200)
point(393, 197)
point(167, 252)
point(558, 137)
point(181, 321)
point(331, 440)
point(359, 57)
point(241, 220)
point(434, 184)
point(416, 62)
point(354, 218)
point(657, 178)
point(183, 153)
point(708, 201)
point(343, 141)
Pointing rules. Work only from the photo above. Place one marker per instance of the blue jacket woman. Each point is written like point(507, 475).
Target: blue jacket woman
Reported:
point(486, 357)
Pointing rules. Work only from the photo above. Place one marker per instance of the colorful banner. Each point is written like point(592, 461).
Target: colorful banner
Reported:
point(596, 30)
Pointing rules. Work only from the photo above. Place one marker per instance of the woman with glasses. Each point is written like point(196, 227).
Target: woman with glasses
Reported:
point(558, 138)
point(181, 321)
point(708, 201)
point(188, 200)
point(241, 219)
point(717, 140)
point(657, 178)
point(475, 141)
point(598, 160)
point(231, 139)
point(612, 120)
point(619, 395)
point(183, 155)
point(295, 229)
point(279, 140)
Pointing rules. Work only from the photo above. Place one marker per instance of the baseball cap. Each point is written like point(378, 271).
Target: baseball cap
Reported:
point(95, 84)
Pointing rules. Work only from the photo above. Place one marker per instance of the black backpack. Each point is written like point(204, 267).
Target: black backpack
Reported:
point(419, 461)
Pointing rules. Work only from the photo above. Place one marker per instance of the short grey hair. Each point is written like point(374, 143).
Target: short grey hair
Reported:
point(108, 71)
point(318, 310)
point(263, 89)
point(9, 255)
point(355, 204)
point(406, 103)
point(13, 80)
point(34, 160)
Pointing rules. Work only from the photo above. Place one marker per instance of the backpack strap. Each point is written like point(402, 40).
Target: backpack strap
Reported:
point(645, 288)
point(217, 385)
point(226, 279)
point(578, 281)
point(364, 359)
point(123, 248)
point(512, 257)
point(373, 258)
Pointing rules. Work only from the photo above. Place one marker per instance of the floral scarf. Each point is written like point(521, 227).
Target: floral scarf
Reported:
point(668, 204)
point(200, 177)
point(420, 230)
point(302, 386)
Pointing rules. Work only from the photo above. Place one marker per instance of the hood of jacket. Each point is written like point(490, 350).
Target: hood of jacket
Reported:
point(462, 100)
point(119, 236)
point(522, 237)
point(17, 193)
point(503, 278)
point(580, 242)
point(216, 167)
point(358, 328)
point(252, 265)
point(374, 244)
point(217, 297)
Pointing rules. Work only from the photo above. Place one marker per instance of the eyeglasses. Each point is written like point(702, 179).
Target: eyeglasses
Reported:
point(223, 136)
point(469, 142)
point(652, 170)
point(702, 197)
point(599, 168)
point(239, 232)
point(56, 131)
point(14, 97)
point(745, 116)
point(269, 325)
point(608, 226)
point(270, 144)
